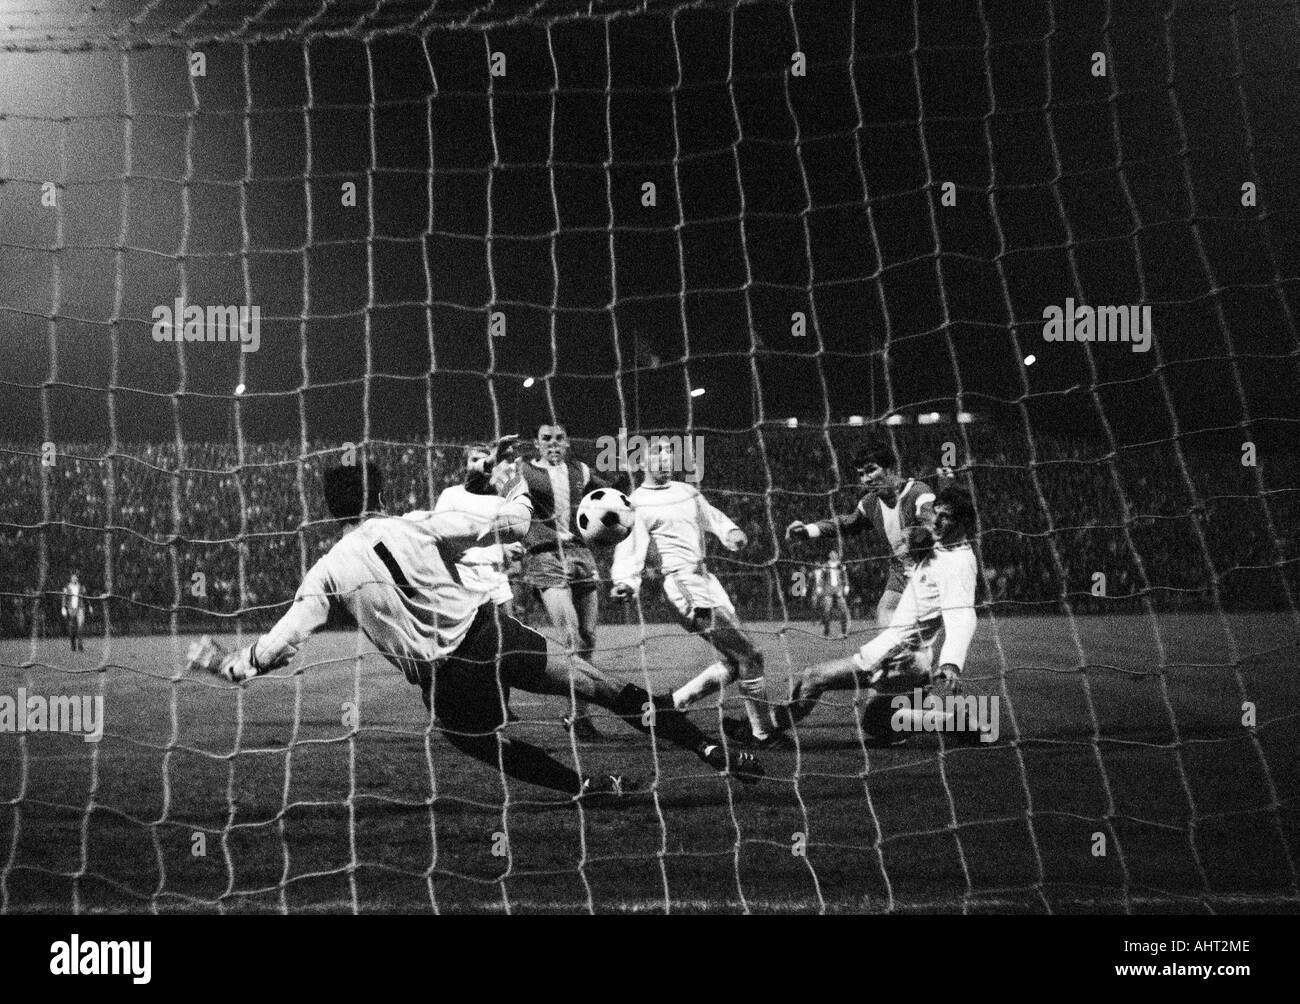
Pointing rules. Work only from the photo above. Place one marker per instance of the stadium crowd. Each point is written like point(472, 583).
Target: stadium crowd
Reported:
point(165, 541)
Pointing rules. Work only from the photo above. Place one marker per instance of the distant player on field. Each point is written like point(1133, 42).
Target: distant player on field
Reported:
point(396, 576)
point(74, 611)
point(830, 593)
point(892, 505)
point(557, 564)
point(940, 593)
point(676, 516)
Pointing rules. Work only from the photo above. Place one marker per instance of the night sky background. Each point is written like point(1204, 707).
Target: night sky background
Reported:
point(523, 194)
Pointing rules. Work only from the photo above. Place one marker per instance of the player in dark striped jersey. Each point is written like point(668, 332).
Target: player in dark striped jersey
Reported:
point(830, 593)
point(892, 505)
point(557, 564)
point(397, 577)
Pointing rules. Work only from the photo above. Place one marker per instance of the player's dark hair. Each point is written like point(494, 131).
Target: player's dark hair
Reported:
point(875, 453)
point(557, 424)
point(958, 500)
point(351, 490)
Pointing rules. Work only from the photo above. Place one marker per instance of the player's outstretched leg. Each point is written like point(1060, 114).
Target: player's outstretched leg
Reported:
point(741, 660)
point(560, 607)
point(642, 710)
point(847, 673)
point(807, 688)
point(467, 718)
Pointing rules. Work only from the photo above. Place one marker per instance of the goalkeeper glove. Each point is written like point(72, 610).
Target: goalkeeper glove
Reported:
point(210, 657)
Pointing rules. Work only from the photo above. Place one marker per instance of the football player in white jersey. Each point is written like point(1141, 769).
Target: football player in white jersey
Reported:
point(940, 593)
point(397, 577)
point(74, 611)
point(892, 505)
point(482, 568)
point(677, 517)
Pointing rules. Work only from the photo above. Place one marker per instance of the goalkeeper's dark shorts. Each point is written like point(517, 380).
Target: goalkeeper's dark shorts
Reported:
point(468, 691)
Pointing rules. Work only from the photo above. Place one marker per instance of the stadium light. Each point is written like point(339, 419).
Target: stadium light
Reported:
point(856, 420)
point(927, 419)
point(965, 418)
point(239, 389)
point(528, 382)
point(896, 420)
point(1030, 359)
point(697, 392)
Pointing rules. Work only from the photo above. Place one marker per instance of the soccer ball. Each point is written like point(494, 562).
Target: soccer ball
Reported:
point(605, 517)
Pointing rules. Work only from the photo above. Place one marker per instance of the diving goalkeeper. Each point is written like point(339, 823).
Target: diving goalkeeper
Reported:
point(396, 576)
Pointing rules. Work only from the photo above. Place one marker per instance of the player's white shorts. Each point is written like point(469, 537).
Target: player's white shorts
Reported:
point(689, 591)
point(900, 653)
point(487, 579)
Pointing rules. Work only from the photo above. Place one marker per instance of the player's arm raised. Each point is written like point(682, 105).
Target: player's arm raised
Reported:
point(924, 504)
point(508, 524)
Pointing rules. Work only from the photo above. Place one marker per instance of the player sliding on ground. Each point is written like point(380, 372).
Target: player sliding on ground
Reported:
point(940, 593)
point(677, 517)
point(892, 505)
point(397, 577)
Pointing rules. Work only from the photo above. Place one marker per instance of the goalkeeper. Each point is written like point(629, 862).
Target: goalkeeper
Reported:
point(396, 577)
point(940, 593)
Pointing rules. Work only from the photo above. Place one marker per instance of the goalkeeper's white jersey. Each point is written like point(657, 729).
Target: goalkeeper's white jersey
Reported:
point(397, 577)
point(481, 568)
point(677, 516)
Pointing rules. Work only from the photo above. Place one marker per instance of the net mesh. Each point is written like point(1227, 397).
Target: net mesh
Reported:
point(1149, 727)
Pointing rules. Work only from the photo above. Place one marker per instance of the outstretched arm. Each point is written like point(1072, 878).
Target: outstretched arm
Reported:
point(505, 524)
point(721, 525)
point(279, 645)
point(847, 524)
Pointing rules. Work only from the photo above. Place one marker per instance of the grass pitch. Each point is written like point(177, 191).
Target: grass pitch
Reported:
point(1125, 727)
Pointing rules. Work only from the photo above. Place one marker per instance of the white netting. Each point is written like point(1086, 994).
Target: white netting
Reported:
point(1156, 719)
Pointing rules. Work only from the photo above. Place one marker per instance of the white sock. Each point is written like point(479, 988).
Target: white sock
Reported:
point(757, 706)
point(712, 679)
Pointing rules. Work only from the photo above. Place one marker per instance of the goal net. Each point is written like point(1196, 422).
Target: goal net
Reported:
point(1040, 251)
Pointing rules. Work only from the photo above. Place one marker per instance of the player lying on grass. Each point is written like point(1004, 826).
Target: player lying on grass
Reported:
point(676, 516)
point(940, 593)
point(892, 505)
point(396, 576)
